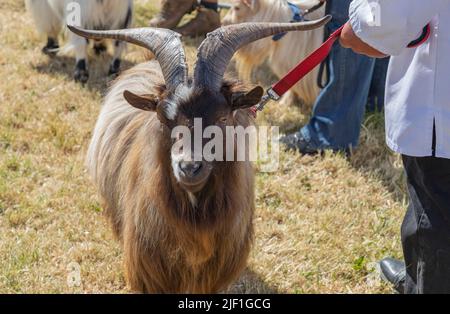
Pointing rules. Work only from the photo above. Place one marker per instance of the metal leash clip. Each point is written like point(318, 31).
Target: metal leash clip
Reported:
point(270, 95)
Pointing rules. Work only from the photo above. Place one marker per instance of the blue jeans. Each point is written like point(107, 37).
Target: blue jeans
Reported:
point(339, 110)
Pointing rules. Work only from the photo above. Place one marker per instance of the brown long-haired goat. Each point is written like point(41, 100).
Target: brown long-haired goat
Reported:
point(185, 226)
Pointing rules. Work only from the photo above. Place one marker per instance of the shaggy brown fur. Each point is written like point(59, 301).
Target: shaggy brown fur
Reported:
point(170, 246)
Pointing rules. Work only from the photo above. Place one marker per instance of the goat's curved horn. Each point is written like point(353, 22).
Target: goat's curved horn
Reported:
point(218, 48)
point(164, 44)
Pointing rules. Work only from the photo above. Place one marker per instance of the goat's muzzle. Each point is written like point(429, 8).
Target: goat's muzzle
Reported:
point(191, 175)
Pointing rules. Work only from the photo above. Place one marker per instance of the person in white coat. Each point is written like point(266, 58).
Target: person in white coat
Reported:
point(417, 126)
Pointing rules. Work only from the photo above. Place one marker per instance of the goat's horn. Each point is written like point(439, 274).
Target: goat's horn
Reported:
point(218, 48)
point(164, 44)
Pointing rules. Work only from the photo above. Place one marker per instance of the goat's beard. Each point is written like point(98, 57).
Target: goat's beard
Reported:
point(195, 205)
point(194, 188)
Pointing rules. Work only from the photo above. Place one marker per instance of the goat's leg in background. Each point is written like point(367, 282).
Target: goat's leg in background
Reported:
point(47, 22)
point(119, 47)
point(80, 45)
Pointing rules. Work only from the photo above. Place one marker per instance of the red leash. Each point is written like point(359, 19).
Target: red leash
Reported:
point(314, 59)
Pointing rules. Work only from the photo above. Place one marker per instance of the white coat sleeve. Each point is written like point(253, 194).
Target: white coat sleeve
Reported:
point(390, 25)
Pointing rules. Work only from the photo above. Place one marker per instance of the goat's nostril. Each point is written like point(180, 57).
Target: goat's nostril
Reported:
point(191, 168)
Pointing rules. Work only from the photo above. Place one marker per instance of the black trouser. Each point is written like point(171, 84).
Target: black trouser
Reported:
point(426, 227)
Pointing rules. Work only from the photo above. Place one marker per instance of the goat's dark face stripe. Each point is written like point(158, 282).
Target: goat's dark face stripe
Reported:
point(193, 116)
point(183, 108)
point(180, 108)
point(204, 104)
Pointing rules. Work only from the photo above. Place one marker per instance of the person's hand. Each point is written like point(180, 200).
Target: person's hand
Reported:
point(350, 40)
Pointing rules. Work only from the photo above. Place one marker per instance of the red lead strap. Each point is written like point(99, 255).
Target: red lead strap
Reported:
point(313, 60)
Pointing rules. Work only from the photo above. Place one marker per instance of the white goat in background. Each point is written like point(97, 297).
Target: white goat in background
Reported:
point(50, 17)
point(284, 54)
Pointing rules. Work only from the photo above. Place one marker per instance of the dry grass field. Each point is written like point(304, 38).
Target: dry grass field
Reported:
point(321, 222)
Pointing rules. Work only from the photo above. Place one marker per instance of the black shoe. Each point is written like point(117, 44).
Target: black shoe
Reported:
point(394, 271)
point(296, 141)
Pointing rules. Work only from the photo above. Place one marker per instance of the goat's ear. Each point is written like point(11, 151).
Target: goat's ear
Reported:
point(243, 100)
point(143, 102)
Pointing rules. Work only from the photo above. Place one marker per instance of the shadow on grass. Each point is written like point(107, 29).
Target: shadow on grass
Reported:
point(375, 158)
point(251, 283)
point(99, 79)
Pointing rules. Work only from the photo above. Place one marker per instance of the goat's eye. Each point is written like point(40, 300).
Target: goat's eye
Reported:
point(223, 120)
